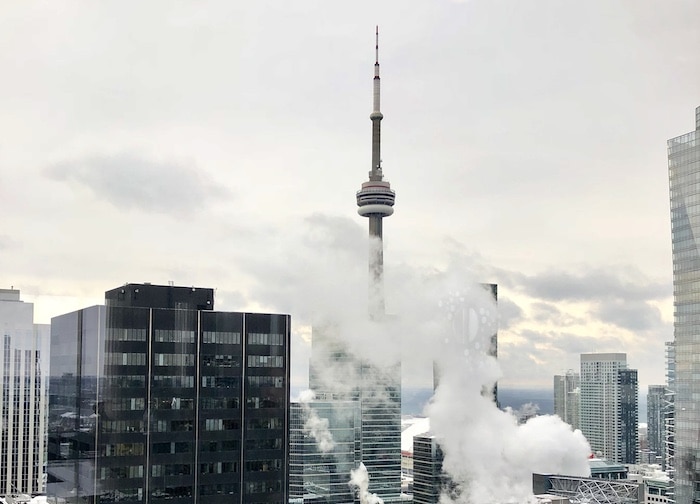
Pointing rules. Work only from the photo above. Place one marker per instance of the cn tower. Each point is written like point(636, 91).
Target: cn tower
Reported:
point(375, 201)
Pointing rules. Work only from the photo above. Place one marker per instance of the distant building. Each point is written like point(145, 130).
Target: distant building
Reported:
point(609, 406)
point(684, 188)
point(656, 397)
point(428, 478)
point(669, 414)
point(655, 482)
point(22, 396)
point(566, 397)
point(155, 398)
point(588, 490)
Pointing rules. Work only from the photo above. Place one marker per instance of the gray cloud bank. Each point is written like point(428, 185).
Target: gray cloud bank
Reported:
point(132, 182)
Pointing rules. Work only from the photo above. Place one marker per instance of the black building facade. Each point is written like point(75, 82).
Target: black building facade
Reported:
point(155, 397)
point(628, 411)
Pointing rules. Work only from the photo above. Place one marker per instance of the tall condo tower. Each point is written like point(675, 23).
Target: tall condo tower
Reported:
point(376, 200)
point(684, 185)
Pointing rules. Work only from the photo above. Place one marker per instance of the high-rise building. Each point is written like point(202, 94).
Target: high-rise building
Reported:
point(628, 407)
point(670, 415)
point(155, 397)
point(429, 480)
point(656, 397)
point(566, 397)
point(320, 473)
point(22, 396)
point(684, 185)
point(609, 405)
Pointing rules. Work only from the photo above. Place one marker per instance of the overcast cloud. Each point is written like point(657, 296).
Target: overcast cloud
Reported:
point(221, 143)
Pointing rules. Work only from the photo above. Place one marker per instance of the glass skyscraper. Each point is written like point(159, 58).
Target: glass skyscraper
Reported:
point(316, 476)
point(22, 396)
point(155, 398)
point(684, 185)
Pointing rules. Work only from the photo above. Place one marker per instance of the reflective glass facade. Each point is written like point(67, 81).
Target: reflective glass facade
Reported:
point(24, 358)
point(315, 476)
point(158, 398)
point(378, 392)
point(684, 185)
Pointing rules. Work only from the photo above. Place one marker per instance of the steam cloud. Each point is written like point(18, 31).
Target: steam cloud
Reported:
point(314, 425)
point(442, 317)
point(359, 479)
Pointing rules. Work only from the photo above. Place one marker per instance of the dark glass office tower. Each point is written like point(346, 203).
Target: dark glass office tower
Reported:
point(429, 480)
point(158, 398)
point(629, 416)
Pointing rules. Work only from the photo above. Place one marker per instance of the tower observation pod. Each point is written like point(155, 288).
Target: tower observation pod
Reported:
point(375, 200)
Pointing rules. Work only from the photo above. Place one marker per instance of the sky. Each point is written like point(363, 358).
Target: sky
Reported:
point(220, 144)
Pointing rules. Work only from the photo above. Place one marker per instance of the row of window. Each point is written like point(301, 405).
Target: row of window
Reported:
point(266, 381)
point(180, 336)
point(265, 339)
point(226, 361)
point(125, 359)
point(172, 425)
point(220, 446)
point(122, 334)
point(263, 402)
point(139, 381)
point(128, 404)
point(263, 465)
point(219, 424)
point(122, 426)
point(173, 381)
point(126, 381)
point(173, 336)
point(275, 361)
point(123, 494)
point(172, 447)
point(220, 402)
point(225, 338)
point(159, 470)
point(220, 382)
point(218, 467)
point(173, 403)
point(121, 472)
point(179, 359)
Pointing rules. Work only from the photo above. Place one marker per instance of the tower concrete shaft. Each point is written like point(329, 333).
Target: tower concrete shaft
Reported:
point(375, 200)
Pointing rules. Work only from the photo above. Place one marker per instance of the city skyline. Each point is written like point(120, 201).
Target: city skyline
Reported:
point(527, 145)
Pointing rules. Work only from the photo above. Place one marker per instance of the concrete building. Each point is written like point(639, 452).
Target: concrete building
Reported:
point(566, 397)
point(609, 406)
point(684, 185)
point(22, 396)
point(156, 397)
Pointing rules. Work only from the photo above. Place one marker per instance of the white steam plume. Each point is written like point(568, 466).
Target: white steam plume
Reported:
point(487, 455)
point(359, 480)
point(314, 425)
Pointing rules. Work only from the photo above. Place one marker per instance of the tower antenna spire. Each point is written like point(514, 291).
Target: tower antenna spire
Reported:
point(376, 46)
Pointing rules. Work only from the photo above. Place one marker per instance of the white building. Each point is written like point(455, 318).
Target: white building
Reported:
point(608, 403)
point(566, 397)
point(22, 396)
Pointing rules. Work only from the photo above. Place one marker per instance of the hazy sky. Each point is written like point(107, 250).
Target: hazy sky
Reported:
point(220, 144)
